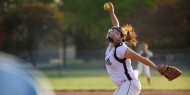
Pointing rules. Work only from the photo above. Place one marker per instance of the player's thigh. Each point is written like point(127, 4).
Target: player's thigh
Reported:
point(115, 92)
point(130, 88)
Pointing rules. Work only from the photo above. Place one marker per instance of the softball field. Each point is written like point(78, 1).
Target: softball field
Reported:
point(110, 93)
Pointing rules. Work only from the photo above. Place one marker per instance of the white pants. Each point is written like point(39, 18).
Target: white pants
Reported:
point(132, 87)
point(141, 67)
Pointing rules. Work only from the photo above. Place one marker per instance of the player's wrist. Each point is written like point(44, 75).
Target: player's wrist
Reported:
point(155, 67)
point(111, 12)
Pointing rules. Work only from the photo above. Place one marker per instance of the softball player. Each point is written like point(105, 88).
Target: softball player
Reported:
point(140, 67)
point(118, 57)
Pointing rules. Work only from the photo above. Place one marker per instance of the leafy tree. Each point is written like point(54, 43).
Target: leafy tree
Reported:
point(164, 25)
point(170, 23)
point(87, 22)
point(1, 31)
point(25, 24)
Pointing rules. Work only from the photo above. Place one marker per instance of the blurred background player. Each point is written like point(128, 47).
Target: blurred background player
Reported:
point(145, 52)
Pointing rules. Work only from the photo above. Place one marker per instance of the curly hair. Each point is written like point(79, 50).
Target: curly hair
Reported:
point(129, 35)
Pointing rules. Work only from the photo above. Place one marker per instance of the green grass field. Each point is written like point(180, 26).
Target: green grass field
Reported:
point(92, 75)
point(97, 79)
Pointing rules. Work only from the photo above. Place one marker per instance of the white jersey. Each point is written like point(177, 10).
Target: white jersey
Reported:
point(116, 69)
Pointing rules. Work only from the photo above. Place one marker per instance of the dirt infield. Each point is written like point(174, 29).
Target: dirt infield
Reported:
point(110, 93)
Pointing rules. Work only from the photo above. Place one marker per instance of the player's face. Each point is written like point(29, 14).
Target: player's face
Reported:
point(115, 35)
point(145, 46)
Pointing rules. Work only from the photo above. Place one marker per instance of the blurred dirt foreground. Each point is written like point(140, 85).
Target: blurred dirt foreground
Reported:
point(110, 93)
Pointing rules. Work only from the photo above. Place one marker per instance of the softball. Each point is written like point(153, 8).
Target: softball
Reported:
point(106, 6)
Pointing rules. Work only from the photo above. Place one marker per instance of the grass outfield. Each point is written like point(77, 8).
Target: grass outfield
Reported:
point(98, 79)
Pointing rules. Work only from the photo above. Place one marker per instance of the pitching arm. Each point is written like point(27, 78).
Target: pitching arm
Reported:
point(111, 12)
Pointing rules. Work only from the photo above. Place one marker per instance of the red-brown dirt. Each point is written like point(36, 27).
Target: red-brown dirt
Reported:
point(110, 93)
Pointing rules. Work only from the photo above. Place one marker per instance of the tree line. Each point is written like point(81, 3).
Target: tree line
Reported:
point(163, 24)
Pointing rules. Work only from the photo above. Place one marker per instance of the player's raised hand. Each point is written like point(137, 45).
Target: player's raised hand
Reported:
point(109, 7)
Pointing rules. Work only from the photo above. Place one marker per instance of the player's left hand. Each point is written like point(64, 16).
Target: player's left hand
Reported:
point(170, 72)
